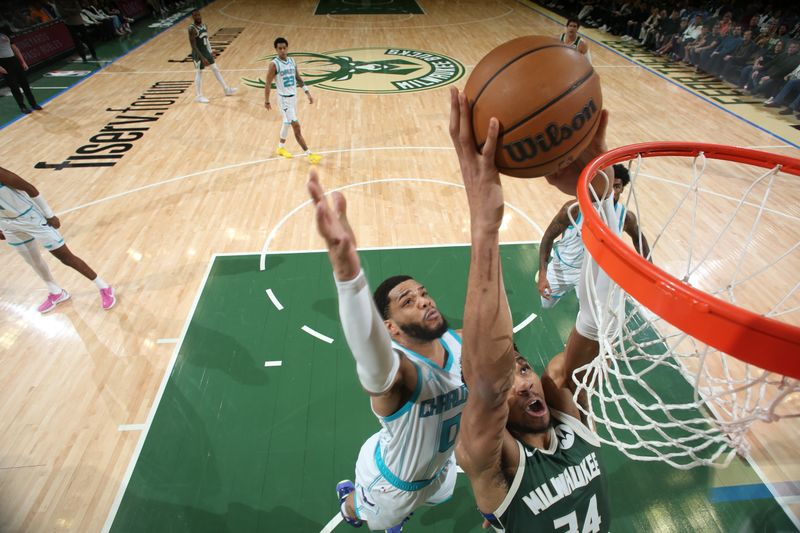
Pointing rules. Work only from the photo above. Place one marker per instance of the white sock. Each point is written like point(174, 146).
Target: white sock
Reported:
point(308, 151)
point(281, 145)
point(100, 283)
point(198, 82)
point(30, 253)
point(218, 75)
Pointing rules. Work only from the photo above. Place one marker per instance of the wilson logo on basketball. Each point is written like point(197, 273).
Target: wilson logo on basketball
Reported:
point(373, 70)
point(552, 136)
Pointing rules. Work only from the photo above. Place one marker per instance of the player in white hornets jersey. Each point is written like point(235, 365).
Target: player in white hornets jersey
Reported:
point(283, 71)
point(409, 362)
point(25, 219)
point(561, 273)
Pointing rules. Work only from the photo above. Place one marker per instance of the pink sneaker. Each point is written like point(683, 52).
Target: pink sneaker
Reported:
point(107, 298)
point(52, 301)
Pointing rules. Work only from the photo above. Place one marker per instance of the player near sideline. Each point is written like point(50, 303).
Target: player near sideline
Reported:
point(571, 37)
point(25, 218)
point(283, 71)
point(533, 465)
point(203, 57)
point(409, 362)
point(561, 273)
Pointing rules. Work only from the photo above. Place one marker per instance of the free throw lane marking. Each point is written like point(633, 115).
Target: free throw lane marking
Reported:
point(275, 301)
point(525, 322)
point(317, 334)
point(330, 526)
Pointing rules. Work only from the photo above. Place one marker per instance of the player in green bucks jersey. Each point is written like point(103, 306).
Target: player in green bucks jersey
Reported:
point(532, 463)
point(203, 57)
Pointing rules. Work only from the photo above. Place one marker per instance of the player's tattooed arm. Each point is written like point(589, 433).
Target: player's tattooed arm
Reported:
point(634, 231)
point(557, 226)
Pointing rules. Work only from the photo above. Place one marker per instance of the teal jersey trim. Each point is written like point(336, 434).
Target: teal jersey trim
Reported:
point(621, 217)
point(427, 361)
point(408, 486)
point(411, 401)
point(555, 249)
point(23, 242)
point(21, 214)
point(449, 364)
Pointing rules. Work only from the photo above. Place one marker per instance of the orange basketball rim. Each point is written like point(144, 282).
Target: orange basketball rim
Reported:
point(743, 334)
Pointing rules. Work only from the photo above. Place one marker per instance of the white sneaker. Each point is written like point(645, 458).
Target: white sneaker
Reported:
point(201, 99)
point(230, 91)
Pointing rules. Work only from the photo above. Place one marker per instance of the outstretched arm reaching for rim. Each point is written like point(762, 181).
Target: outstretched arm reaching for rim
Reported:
point(488, 349)
point(382, 372)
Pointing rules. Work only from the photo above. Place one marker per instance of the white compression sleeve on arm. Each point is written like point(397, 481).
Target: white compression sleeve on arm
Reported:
point(42, 205)
point(376, 362)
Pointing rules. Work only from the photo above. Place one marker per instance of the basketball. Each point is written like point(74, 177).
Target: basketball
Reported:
point(547, 98)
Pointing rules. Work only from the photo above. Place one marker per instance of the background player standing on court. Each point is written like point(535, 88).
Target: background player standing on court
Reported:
point(572, 38)
point(409, 362)
point(532, 464)
point(283, 71)
point(561, 273)
point(203, 57)
point(25, 217)
point(13, 67)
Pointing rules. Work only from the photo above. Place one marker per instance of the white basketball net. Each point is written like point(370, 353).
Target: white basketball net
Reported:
point(656, 393)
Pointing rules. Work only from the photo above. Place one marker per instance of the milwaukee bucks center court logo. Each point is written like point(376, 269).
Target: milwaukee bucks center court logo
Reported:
point(373, 70)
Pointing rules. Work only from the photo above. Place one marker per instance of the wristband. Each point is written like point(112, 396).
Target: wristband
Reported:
point(305, 88)
point(43, 207)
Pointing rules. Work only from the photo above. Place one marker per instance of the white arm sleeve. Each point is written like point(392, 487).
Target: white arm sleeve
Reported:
point(376, 362)
point(42, 205)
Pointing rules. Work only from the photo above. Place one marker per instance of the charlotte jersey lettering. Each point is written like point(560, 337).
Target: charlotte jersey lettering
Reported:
point(417, 441)
point(560, 489)
point(116, 138)
point(443, 402)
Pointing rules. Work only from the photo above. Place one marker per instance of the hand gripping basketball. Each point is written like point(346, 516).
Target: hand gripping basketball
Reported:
point(547, 98)
point(566, 179)
point(478, 170)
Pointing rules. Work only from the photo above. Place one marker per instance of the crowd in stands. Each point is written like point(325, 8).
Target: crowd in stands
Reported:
point(103, 17)
point(752, 45)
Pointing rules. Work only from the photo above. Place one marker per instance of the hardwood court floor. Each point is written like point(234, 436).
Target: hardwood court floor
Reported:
point(79, 383)
point(262, 415)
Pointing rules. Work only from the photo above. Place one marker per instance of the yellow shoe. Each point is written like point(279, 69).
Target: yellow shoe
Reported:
point(314, 158)
point(283, 152)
